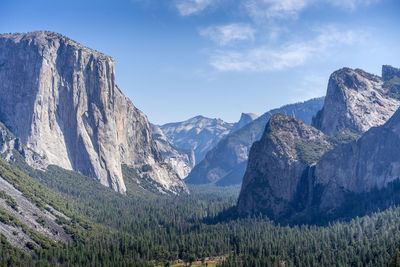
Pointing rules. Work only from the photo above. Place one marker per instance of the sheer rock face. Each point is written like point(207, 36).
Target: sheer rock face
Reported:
point(61, 100)
point(356, 100)
point(299, 174)
point(275, 166)
point(370, 163)
point(181, 161)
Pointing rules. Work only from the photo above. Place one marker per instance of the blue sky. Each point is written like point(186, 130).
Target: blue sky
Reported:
point(179, 58)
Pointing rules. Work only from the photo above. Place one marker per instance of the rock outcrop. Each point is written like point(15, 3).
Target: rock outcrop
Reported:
point(60, 99)
point(226, 163)
point(276, 164)
point(356, 100)
point(9, 145)
point(297, 174)
point(181, 161)
point(370, 163)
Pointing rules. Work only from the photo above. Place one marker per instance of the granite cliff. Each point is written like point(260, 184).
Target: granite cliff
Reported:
point(276, 164)
point(356, 100)
point(60, 99)
point(182, 161)
point(298, 174)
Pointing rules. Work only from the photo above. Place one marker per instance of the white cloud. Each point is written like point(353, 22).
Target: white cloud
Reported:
point(260, 59)
point(190, 7)
point(293, 54)
point(260, 10)
point(351, 4)
point(228, 34)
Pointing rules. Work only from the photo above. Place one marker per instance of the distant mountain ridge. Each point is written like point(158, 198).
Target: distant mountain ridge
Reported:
point(198, 134)
point(226, 163)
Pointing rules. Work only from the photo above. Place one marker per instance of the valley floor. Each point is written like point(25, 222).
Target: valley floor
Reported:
point(146, 229)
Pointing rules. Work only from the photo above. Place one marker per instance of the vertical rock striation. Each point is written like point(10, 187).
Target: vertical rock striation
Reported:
point(60, 99)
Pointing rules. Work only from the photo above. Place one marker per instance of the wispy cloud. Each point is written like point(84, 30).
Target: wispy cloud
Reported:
point(190, 7)
point(260, 59)
point(260, 10)
point(290, 55)
point(351, 4)
point(228, 34)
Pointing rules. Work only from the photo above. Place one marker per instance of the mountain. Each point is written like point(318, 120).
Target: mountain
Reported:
point(276, 164)
point(298, 174)
point(199, 134)
point(245, 118)
point(365, 166)
point(226, 163)
point(60, 99)
point(28, 222)
point(357, 100)
point(9, 144)
point(181, 161)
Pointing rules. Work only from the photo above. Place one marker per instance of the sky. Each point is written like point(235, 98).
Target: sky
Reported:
point(176, 59)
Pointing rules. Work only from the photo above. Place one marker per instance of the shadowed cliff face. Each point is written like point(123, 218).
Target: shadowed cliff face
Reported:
point(298, 174)
point(371, 162)
point(276, 164)
point(61, 100)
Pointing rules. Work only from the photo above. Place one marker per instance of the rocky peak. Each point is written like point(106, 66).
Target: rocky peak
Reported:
point(389, 72)
point(355, 100)
point(199, 134)
point(226, 163)
point(276, 164)
point(245, 118)
point(299, 174)
point(61, 100)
